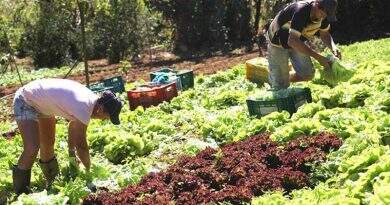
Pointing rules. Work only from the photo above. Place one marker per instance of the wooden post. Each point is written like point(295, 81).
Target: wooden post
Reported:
point(257, 16)
point(82, 19)
point(17, 70)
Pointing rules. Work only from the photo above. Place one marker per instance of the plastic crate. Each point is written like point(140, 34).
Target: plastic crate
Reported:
point(290, 103)
point(186, 76)
point(96, 87)
point(114, 84)
point(177, 80)
point(162, 70)
point(256, 70)
point(153, 96)
point(172, 77)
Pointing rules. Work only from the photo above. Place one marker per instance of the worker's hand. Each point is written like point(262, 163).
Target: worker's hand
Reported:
point(337, 53)
point(325, 62)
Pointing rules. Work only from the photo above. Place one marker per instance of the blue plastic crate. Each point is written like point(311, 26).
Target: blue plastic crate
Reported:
point(186, 76)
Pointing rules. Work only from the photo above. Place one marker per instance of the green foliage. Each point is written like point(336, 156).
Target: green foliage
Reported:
point(307, 110)
point(124, 147)
point(11, 78)
point(151, 139)
point(366, 52)
point(49, 31)
point(54, 24)
point(207, 25)
point(339, 72)
point(41, 198)
point(320, 195)
point(125, 66)
point(381, 185)
point(346, 95)
point(296, 128)
point(76, 190)
point(268, 123)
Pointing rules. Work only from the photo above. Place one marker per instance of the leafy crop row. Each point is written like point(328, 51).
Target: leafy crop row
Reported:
point(235, 173)
point(214, 114)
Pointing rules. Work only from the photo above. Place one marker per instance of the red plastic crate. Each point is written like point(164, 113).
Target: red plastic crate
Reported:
point(154, 96)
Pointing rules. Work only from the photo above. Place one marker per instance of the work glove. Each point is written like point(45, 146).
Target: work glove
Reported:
point(337, 53)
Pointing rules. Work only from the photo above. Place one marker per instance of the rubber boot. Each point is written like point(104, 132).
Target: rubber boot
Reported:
point(50, 170)
point(21, 180)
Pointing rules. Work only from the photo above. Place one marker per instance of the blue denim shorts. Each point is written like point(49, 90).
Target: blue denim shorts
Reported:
point(278, 66)
point(24, 111)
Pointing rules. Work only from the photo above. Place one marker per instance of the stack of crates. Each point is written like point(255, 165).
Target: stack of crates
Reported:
point(290, 103)
point(171, 78)
point(186, 77)
point(114, 84)
point(148, 95)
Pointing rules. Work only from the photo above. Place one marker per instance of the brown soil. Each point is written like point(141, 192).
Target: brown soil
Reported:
point(100, 69)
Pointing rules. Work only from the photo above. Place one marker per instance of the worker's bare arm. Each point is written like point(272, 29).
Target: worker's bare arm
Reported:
point(326, 37)
point(78, 142)
point(297, 44)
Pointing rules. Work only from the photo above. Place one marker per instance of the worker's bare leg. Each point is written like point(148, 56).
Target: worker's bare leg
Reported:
point(303, 67)
point(48, 162)
point(296, 78)
point(47, 129)
point(29, 130)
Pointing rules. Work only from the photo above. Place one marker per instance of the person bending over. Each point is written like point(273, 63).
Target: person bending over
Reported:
point(35, 107)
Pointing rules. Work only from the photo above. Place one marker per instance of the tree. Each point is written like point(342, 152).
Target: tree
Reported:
point(202, 25)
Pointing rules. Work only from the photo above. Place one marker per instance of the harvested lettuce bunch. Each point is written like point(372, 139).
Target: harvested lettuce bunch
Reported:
point(340, 72)
point(277, 94)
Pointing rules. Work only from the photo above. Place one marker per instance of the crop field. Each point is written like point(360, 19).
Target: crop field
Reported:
point(204, 148)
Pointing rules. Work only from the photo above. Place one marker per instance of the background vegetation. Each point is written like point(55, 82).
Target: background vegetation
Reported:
point(49, 30)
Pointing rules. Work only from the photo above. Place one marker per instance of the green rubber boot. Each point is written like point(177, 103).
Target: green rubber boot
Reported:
point(50, 170)
point(21, 180)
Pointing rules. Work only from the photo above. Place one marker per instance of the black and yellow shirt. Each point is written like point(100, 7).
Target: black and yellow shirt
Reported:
point(295, 18)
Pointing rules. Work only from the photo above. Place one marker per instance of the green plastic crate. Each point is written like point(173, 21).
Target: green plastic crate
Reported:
point(186, 76)
point(291, 103)
point(97, 87)
point(114, 84)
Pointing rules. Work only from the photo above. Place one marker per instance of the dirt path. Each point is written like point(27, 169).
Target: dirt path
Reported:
point(100, 69)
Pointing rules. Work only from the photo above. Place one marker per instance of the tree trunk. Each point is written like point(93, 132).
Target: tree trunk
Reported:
point(83, 41)
point(257, 16)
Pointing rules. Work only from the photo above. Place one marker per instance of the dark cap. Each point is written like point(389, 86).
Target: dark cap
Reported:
point(330, 7)
point(112, 105)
